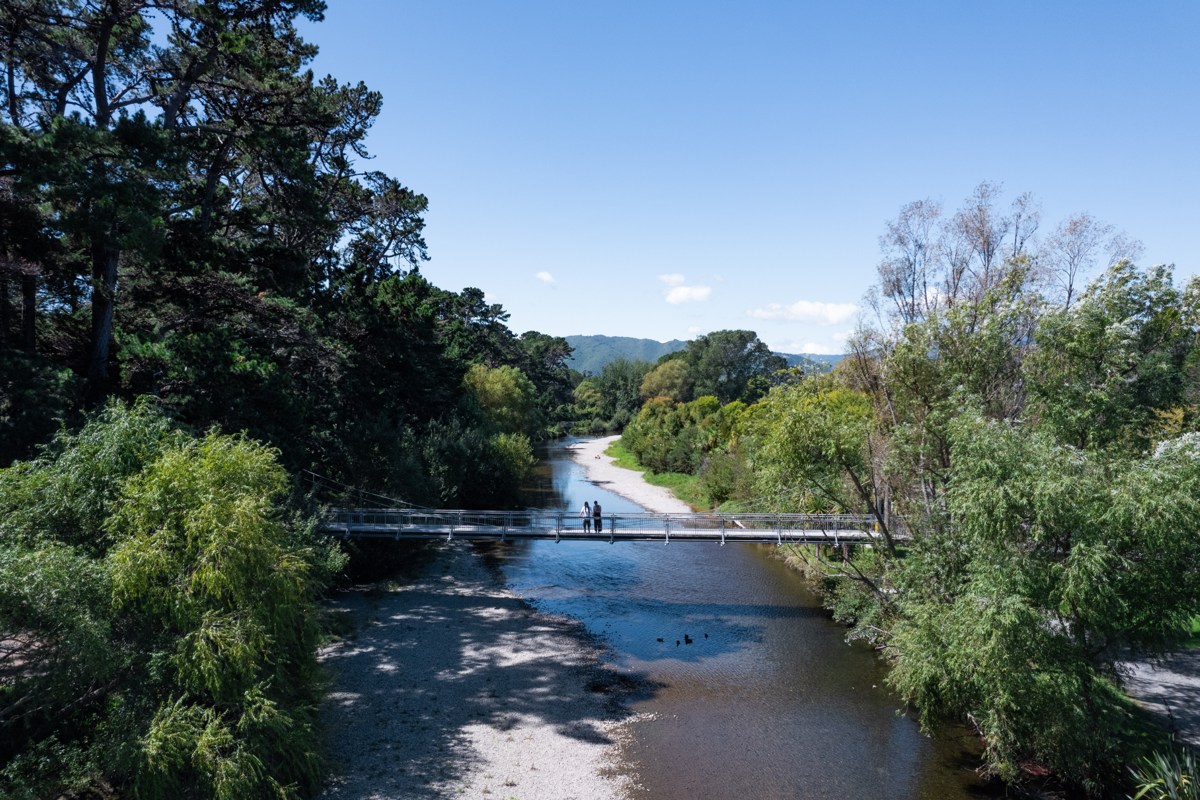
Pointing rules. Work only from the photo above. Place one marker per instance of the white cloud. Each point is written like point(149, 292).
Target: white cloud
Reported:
point(546, 277)
point(685, 294)
point(818, 349)
point(488, 297)
point(718, 277)
point(840, 336)
point(674, 279)
point(806, 311)
point(695, 329)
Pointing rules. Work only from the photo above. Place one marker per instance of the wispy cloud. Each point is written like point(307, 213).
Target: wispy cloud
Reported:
point(674, 279)
point(546, 277)
point(695, 329)
point(818, 349)
point(806, 311)
point(718, 277)
point(686, 294)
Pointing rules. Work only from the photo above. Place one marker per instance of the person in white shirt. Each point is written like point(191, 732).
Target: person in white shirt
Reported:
point(586, 513)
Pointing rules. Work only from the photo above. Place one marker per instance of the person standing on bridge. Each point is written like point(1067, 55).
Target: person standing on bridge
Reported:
point(586, 513)
point(596, 516)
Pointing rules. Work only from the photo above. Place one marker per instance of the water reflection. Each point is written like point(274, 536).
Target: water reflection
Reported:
point(767, 700)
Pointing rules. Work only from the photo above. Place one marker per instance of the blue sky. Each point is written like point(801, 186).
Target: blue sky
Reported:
point(676, 167)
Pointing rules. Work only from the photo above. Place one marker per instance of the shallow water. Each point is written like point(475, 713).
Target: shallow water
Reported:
point(768, 701)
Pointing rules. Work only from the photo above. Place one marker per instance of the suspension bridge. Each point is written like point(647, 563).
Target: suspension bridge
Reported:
point(560, 526)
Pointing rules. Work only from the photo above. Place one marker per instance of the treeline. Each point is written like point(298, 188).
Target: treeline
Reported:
point(203, 293)
point(185, 216)
point(1037, 437)
point(726, 364)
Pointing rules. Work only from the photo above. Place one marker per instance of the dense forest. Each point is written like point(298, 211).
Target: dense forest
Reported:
point(205, 292)
point(1035, 433)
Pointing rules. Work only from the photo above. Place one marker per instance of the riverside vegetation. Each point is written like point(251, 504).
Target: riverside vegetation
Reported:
point(202, 294)
point(1040, 442)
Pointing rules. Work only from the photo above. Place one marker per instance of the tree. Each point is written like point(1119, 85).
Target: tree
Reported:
point(162, 614)
point(722, 364)
point(1058, 560)
point(671, 379)
point(506, 396)
point(620, 383)
point(1074, 247)
point(1123, 354)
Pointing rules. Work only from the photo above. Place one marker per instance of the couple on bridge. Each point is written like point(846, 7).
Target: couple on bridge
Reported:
point(590, 513)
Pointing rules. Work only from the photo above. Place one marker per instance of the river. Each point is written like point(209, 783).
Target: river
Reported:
point(768, 701)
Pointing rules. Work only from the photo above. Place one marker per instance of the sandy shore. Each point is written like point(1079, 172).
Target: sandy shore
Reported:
point(625, 482)
point(452, 686)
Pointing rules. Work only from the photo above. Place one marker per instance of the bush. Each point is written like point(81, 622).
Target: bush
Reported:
point(166, 617)
point(723, 477)
point(466, 468)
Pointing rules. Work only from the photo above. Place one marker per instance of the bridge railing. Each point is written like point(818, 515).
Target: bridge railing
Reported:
point(451, 520)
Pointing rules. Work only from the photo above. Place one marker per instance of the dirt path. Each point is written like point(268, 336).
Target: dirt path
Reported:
point(629, 484)
point(453, 687)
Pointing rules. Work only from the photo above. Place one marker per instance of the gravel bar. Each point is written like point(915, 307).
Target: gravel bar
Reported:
point(451, 686)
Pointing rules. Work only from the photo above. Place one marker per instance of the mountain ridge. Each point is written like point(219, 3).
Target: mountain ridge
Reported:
point(593, 352)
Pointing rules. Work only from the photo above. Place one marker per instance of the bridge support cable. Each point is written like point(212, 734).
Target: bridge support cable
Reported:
point(400, 523)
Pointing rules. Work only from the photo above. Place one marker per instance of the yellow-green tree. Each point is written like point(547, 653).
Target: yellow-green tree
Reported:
point(672, 379)
point(506, 397)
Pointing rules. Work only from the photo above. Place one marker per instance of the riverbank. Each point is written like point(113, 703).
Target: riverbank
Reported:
point(450, 685)
point(601, 471)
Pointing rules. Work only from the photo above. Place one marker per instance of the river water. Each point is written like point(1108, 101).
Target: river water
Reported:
point(769, 701)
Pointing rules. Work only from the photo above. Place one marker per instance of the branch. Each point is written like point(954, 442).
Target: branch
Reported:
point(862, 492)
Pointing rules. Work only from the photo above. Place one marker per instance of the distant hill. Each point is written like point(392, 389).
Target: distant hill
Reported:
point(811, 361)
point(593, 352)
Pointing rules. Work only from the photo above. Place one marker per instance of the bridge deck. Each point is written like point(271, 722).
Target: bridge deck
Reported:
point(833, 529)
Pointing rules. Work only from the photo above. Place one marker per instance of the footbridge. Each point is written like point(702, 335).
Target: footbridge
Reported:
point(779, 529)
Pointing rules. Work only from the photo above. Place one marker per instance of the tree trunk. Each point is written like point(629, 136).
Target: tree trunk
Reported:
point(28, 310)
point(104, 293)
point(5, 309)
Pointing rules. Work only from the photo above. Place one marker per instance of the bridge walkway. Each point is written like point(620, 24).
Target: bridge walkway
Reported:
point(831, 529)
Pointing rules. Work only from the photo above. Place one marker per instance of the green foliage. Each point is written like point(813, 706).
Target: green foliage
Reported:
point(1062, 559)
point(677, 437)
point(589, 403)
point(34, 396)
point(1171, 776)
point(506, 397)
point(726, 364)
point(619, 384)
point(687, 488)
point(1107, 368)
point(672, 379)
point(816, 436)
point(67, 494)
point(515, 452)
point(164, 616)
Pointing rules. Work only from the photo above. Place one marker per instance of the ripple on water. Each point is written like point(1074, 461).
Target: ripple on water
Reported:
point(772, 703)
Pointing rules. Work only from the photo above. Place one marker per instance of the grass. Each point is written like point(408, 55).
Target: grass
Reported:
point(686, 487)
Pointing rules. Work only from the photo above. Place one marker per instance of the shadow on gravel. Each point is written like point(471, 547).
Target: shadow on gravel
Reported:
point(435, 673)
point(1170, 691)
